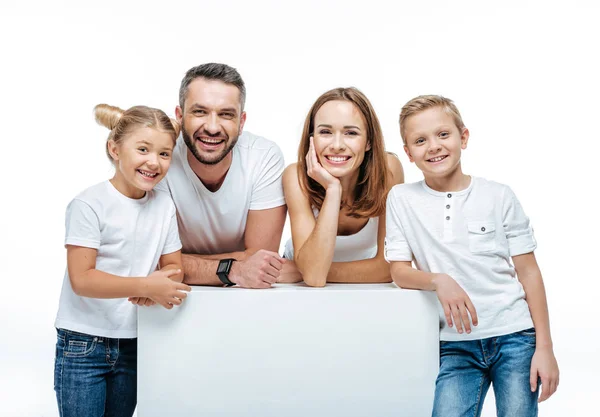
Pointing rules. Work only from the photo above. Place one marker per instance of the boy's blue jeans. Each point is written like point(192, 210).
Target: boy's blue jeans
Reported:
point(95, 376)
point(468, 367)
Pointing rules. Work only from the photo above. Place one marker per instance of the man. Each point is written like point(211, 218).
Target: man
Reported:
point(226, 185)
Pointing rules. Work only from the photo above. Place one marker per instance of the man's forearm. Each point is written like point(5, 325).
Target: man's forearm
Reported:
point(200, 271)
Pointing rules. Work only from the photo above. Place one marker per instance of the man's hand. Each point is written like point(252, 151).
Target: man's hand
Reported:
point(544, 366)
point(259, 270)
point(289, 273)
point(456, 303)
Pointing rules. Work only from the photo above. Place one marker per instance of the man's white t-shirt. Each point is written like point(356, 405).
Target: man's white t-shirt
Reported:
point(214, 222)
point(130, 236)
point(470, 235)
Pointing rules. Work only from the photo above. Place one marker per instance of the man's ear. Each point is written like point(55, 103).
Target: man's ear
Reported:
point(178, 114)
point(242, 121)
point(464, 138)
point(113, 150)
point(410, 158)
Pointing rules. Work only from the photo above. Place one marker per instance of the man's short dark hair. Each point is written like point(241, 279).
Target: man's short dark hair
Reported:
point(213, 71)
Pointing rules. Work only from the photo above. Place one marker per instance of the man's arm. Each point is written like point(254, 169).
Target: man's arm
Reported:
point(257, 267)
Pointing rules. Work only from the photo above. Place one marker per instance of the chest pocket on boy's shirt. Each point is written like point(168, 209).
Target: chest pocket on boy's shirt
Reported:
point(482, 236)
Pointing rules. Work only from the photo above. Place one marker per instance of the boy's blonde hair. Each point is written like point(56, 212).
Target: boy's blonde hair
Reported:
point(422, 103)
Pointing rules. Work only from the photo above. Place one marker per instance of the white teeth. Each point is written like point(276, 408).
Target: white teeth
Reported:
point(338, 158)
point(437, 159)
point(147, 174)
point(208, 140)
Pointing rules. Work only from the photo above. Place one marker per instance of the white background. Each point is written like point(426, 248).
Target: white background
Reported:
point(524, 75)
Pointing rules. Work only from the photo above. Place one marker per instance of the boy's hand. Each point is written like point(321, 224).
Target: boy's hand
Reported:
point(161, 289)
point(141, 301)
point(456, 303)
point(544, 366)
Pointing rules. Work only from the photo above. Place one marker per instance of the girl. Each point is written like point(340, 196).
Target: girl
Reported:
point(336, 192)
point(117, 233)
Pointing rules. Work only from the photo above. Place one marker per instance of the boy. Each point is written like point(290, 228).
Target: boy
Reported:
point(462, 232)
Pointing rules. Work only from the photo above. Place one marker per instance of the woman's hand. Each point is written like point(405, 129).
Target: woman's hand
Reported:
point(315, 170)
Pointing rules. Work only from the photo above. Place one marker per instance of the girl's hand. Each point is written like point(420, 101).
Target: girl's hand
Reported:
point(315, 170)
point(164, 291)
point(544, 366)
point(141, 301)
point(456, 303)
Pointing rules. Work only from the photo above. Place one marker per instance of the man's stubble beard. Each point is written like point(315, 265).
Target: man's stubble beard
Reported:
point(192, 147)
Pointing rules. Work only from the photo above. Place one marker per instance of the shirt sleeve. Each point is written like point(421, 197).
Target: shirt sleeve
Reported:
point(82, 226)
point(267, 191)
point(172, 243)
point(517, 228)
point(396, 246)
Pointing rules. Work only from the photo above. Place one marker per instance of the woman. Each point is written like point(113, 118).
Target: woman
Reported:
point(336, 193)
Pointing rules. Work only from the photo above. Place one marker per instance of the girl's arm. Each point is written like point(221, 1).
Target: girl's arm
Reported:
point(87, 281)
point(172, 261)
point(543, 363)
point(375, 269)
point(314, 240)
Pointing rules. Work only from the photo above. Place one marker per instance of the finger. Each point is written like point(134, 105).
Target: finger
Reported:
point(456, 316)
point(181, 294)
point(269, 278)
point(533, 378)
point(133, 300)
point(166, 305)
point(276, 263)
point(472, 311)
point(171, 272)
point(545, 391)
point(465, 318)
point(313, 153)
point(148, 302)
point(176, 301)
point(183, 287)
point(448, 315)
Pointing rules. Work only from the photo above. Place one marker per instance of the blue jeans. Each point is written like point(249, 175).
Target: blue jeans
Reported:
point(95, 376)
point(468, 367)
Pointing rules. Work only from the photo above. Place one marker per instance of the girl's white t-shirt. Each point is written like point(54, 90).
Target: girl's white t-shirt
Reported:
point(130, 236)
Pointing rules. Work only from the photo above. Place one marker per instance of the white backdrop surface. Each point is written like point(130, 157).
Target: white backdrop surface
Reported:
point(524, 75)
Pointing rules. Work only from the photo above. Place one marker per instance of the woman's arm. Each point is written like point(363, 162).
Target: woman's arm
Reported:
point(314, 240)
point(375, 269)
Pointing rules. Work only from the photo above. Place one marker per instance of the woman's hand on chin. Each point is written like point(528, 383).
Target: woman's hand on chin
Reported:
point(315, 170)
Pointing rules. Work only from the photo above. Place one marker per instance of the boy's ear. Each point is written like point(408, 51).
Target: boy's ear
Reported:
point(464, 138)
point(410, 158)
point(113, 150)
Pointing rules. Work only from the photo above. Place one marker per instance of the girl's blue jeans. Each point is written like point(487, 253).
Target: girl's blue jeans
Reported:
point(95, 376)
point(467, 368)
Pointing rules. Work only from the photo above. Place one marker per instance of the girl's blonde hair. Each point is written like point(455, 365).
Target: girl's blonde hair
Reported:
point(123, 122)
point(422, 103)
point(371, 188)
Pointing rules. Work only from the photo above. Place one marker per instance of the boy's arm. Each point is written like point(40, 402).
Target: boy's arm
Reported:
point(455, 301)
point(543, 363)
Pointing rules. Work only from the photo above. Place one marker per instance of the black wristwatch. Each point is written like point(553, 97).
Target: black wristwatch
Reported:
point(223, 271)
